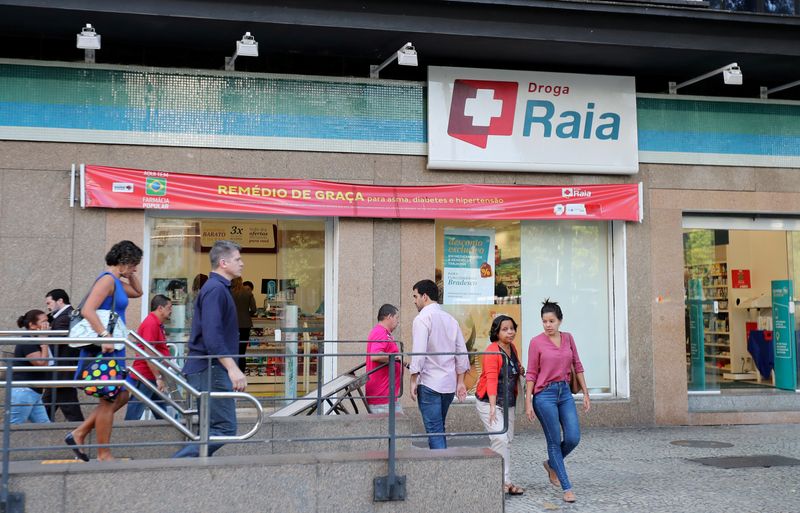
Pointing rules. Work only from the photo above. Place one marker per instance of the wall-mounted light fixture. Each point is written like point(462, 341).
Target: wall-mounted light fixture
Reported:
point(88, 40)
point(245, 47)
point(731, 75)
point(406, 56)
point(766, 92)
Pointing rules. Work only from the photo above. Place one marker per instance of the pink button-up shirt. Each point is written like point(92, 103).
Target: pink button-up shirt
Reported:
point(436, 331)
point(548, 363)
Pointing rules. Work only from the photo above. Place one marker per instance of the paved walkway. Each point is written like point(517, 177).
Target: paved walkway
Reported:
point(615, 470)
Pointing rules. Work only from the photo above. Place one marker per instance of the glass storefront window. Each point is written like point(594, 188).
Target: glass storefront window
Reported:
point(741, 278)
point(285, 261)
point(487, 268)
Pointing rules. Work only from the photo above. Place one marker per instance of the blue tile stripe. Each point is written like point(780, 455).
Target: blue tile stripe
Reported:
point(120, 105)
point(734, 144)
point(98, 117)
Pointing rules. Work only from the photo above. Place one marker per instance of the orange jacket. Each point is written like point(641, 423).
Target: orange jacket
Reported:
point(492, 369)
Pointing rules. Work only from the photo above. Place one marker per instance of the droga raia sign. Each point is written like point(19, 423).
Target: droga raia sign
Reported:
point(530, 121)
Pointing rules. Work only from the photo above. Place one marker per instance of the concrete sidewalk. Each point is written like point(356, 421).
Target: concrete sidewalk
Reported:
point(639, 469)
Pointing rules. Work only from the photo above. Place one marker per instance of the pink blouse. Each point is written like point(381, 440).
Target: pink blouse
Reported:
point(548, 363)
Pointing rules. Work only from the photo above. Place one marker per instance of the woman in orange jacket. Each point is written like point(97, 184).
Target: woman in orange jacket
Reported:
point(494, 394)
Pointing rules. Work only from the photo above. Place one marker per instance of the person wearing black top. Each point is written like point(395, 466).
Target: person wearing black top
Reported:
point(26, 403)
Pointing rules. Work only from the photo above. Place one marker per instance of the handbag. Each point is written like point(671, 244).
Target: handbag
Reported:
point(574, 385)
point(103, 368)
point(79, 327)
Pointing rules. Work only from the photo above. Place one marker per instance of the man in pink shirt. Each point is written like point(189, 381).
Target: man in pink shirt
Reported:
point(435, 379)
point(380, 343)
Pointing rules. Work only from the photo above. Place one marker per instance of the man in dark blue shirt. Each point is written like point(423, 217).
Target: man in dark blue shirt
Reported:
point(215, 331)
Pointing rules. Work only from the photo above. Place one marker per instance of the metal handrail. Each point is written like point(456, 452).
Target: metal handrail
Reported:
point(203, 396)
point(390, 487)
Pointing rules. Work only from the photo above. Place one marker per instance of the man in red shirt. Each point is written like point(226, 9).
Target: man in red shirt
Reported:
point(152, 330)
point(380, 343)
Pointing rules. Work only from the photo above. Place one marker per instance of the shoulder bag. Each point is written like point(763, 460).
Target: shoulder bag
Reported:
point(79, 327)
point(574, 384)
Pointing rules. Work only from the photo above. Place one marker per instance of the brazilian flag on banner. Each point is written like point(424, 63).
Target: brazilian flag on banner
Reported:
point(156, 186)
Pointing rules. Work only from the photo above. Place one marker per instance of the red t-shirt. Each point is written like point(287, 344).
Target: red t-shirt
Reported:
point(152, 331)
point(381, 341)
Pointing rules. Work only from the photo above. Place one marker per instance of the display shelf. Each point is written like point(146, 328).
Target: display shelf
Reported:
point(717, 332)
point(265, 364)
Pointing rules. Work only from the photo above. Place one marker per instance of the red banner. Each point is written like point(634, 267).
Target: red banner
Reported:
point(109, 187)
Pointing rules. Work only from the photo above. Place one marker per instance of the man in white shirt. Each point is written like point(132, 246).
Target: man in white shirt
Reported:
point(435, 379)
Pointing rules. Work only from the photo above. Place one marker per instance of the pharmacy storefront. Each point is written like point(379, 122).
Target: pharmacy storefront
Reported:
point(493, 243)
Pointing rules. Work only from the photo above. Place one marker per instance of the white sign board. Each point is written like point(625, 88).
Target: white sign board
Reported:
point(481, 119)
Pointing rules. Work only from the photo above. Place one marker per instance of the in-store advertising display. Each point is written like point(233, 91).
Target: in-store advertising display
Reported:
point(784, 334)
point(497, 120)
point(469, 266)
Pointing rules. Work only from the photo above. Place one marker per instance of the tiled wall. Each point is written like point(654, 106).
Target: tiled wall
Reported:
point(60, 102)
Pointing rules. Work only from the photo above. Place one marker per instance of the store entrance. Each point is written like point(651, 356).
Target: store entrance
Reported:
point(282, 307)
point(740, 279)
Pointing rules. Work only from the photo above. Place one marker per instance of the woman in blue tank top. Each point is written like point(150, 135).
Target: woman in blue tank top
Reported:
point(119, 279)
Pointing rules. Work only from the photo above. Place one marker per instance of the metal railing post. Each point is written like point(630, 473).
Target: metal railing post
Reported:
point(205, 423)
point(7, 432)
point(10, 502)
point(319, 381)
point(392, 487)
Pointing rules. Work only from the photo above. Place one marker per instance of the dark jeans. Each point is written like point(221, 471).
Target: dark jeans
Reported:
point(433, 406)
point(223, 411)
point(65, 399)
point(135, 406)
point(555, 409)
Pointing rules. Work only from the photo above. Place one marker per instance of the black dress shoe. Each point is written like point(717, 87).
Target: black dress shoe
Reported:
point(70, 440)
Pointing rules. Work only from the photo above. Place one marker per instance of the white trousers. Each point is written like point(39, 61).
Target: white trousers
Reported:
point(499, 443)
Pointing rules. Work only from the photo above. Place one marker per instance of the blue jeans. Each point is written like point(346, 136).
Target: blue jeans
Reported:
point(27, 405)
point(555, 409)
point(135, 406)
point(222, 416)
point(433, 406)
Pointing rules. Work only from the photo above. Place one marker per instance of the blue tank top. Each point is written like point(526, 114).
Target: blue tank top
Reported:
point(122, 298)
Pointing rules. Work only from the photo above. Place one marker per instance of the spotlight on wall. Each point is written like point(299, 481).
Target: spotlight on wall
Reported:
point(88, 40)
point(731, 75)
point(766, 92)
point(406, 56)
point(245, 47)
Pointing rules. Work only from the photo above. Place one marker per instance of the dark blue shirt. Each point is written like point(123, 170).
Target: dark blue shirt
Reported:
point(215, 325)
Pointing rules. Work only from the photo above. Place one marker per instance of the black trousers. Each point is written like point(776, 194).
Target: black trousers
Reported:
point(244, 339)
point(65, 399)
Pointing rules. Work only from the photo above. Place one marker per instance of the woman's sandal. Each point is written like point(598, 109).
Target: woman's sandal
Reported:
point(70, 440)
point(513, 489)
point(569, 496)
point(551, 475)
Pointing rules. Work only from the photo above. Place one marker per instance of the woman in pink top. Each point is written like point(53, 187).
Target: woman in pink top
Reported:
point(551, 356)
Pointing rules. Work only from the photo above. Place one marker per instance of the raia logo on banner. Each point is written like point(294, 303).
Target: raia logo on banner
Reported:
point(480, 108)
point(156, 186)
